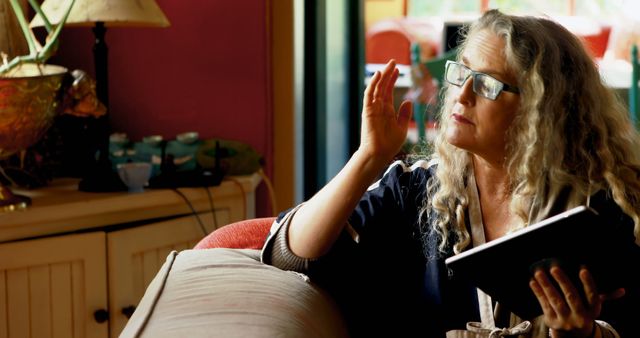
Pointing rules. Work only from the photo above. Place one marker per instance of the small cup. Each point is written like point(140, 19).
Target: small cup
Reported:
point(135, 175)
point(188, 137)
point(153, 140)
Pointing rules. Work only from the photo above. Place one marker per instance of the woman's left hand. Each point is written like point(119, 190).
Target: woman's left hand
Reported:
point(564, 309)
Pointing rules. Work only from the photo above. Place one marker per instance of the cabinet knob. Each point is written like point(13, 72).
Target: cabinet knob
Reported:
point(101, 316)
point(128, 311)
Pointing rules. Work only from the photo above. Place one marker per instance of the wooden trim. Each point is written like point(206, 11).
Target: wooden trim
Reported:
point(283, 102)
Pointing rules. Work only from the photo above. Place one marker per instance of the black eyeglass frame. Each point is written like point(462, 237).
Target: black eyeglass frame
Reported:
point(475, 74)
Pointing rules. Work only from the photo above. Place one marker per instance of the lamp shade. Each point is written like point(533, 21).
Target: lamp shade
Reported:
point(112, 13)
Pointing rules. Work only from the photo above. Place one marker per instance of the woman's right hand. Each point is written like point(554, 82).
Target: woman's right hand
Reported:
point(384, 130)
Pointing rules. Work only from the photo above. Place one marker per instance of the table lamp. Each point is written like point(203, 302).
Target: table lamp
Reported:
point(101, 14)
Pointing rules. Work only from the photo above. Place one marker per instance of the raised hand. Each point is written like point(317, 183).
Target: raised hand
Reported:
point(319, 222)
point(384, 130)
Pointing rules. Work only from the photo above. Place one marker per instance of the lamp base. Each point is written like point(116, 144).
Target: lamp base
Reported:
point(12, 202)
point(101, 178)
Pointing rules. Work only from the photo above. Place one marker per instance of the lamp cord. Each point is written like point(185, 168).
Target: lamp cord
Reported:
point(4, 174)
point(213, 209)
point(265, 178)
point(193, 211)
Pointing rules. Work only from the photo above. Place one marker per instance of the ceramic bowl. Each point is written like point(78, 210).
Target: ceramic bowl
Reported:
point(135, 175)
point(188, 137)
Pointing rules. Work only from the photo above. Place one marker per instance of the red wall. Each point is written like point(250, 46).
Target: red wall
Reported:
point(208, 72)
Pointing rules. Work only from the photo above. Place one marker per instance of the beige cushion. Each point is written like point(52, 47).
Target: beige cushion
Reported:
point(230, 293)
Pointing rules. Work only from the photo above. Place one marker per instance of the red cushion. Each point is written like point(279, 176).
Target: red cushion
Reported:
point(245, 234)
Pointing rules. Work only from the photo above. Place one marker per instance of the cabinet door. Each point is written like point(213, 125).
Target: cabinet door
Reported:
point(136, 254)
point(52, 287)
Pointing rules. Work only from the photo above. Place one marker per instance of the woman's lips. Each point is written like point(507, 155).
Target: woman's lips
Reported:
point(461, 119)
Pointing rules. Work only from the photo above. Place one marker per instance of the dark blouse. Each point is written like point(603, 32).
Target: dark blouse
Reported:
point(389, 278)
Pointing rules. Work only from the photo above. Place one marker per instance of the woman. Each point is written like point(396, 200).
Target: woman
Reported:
point(527, 130)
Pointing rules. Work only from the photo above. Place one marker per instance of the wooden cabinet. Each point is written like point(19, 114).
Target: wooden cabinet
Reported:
point(75, 264)
point(136, 254)
point(51, 287)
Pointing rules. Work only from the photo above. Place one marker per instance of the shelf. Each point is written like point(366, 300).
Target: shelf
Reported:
point(60, 207)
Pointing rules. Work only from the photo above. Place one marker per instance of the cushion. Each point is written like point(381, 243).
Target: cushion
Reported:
point(246, 234)
point(229, 293)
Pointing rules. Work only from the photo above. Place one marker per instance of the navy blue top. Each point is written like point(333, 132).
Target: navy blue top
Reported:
point(394, 282)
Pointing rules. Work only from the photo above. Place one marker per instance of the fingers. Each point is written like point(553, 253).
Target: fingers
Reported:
point(572, 296)
point(564, 308)
point(553, 303)
point(404, 113)
point(590, 289)
point(383, 90)
point(536, 286)
point(368, 92)
point(388, 95)
point(618, 293)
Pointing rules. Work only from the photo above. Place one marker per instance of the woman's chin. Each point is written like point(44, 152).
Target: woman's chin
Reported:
point(457, 137)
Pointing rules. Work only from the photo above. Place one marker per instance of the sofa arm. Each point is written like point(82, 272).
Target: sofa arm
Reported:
point(230, 293)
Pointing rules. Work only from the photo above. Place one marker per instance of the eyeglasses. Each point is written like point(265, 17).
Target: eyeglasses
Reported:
point(483, 84)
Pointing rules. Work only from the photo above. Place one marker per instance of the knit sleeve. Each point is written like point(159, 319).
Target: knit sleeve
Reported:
point(276, 249)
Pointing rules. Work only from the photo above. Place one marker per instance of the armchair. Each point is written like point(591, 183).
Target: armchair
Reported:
point(220, 288)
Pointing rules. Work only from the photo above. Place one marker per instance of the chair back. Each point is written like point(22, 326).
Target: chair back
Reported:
point(435, 67)
point(633, 88)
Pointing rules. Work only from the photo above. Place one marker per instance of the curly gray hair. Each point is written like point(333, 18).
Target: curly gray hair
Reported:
point(570, 130)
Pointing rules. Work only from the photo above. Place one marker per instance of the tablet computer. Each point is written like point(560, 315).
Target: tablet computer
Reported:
point(503, 267)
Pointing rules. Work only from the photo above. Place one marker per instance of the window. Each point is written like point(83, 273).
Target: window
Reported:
point(598, 9)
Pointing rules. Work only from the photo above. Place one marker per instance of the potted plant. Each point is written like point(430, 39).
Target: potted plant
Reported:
point(28, 90)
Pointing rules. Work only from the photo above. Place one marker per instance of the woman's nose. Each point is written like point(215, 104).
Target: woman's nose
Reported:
point(466, 94)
